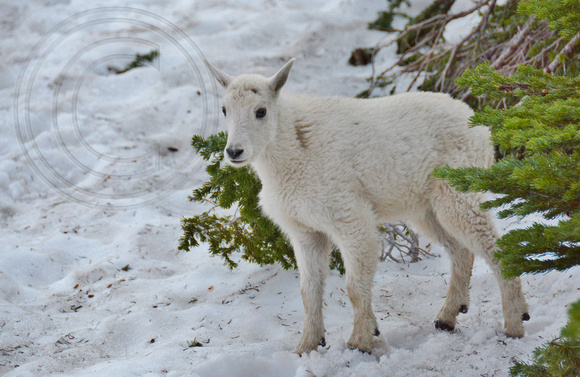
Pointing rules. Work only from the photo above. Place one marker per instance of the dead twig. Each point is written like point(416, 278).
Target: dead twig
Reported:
point(514, 43)
point(480, 27)
point(437, 24)
point(398, 237)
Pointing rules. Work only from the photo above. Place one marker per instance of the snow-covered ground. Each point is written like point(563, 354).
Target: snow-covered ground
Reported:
point(95, 170)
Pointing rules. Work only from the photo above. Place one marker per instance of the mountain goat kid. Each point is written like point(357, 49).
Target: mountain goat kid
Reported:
point(333, 168)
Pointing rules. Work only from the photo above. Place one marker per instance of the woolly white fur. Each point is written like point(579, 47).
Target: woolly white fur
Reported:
point(334, 168)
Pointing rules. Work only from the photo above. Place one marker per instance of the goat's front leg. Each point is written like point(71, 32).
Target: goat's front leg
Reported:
point(359, 246)
point(312, 250)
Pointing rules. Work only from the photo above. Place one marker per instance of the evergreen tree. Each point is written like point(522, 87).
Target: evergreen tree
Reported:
point(540, 170)
point(538, 173)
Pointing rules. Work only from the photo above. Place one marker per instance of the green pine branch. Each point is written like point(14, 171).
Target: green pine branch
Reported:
point(140, 60)
point(247, 231)
point(562, 15)
point(558, 358)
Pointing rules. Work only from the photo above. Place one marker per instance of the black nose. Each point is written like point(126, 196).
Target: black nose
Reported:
point(234, 153)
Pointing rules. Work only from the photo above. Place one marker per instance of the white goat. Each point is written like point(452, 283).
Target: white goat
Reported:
point(333, 168)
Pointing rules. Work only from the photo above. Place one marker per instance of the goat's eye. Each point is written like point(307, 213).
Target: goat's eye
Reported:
point(260, 113)
point(224, 110)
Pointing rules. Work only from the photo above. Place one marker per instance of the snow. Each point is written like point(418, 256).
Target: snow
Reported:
point(91, 282)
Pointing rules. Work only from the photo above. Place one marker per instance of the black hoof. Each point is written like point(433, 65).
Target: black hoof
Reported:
point(359, 350)
point(440, 325)
point(463, 309)
point(377, 332)
point(525, 317)
point(322, 342)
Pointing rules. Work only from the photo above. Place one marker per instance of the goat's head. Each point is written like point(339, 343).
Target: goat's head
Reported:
point(250, 106)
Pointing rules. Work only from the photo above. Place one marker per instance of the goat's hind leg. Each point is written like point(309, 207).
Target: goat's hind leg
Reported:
point(460, 216)
point(312, 250)
point(457, 299)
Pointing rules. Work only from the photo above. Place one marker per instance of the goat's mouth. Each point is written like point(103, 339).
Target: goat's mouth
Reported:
point(237, 162)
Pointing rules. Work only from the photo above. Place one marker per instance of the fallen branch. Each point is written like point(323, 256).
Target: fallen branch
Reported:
point(566, 52)
point(432, 64)
point(438, 23)
point(515, 42)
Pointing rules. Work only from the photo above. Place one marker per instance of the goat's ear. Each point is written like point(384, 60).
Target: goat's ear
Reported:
point(223, 78)
point(279, 79)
